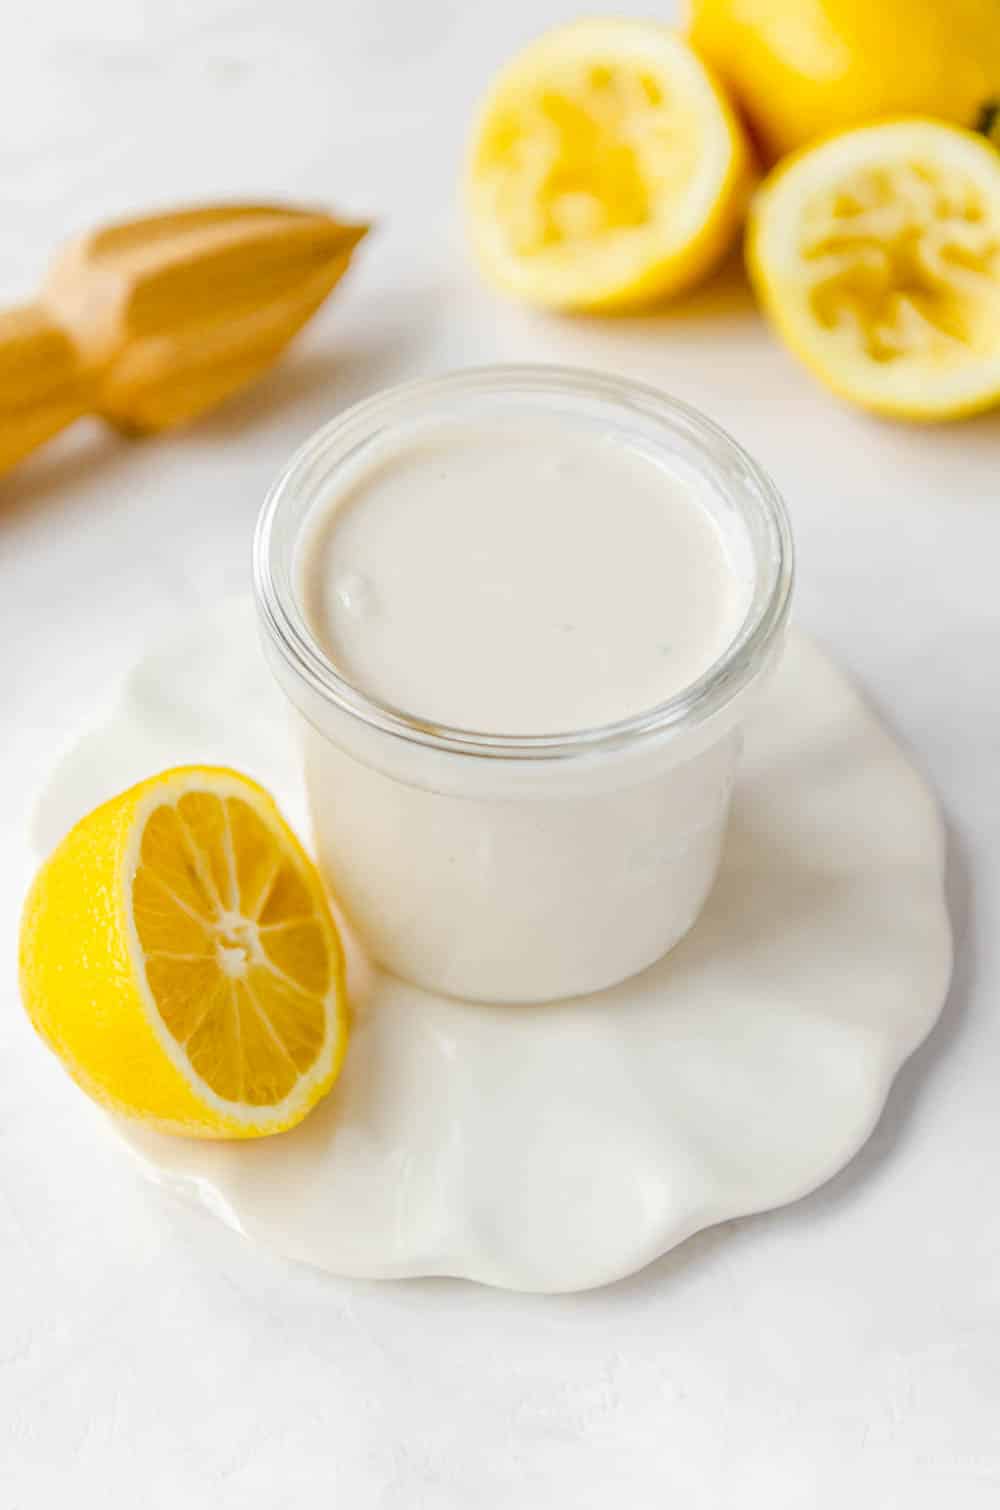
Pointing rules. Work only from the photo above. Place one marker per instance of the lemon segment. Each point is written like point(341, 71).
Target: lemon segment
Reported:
point(877, 256)
point(178, 954)
point(606, 169)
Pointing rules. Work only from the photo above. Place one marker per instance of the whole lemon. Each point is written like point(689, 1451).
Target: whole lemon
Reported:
point(804, 68)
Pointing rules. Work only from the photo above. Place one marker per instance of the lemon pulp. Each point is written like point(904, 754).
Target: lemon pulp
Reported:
point(906, 262)
point(877, 254)
point(235, 961)
point(606, 168)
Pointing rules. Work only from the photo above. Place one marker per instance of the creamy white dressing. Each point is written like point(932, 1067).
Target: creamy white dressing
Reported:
point(519, 576)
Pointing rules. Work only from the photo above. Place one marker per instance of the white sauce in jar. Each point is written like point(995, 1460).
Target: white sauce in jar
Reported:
point(535, 599)
point(519, 577)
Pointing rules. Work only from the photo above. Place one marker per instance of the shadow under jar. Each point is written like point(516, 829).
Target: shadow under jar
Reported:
point(529, 861)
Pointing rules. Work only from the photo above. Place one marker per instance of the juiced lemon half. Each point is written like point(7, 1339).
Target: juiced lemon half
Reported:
point(178, 954)
point(877, 256)
point(606, 169)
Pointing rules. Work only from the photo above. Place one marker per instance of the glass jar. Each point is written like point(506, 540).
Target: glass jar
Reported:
point(522, 868)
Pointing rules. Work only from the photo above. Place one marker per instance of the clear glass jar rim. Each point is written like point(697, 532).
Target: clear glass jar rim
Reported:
point(746, 654)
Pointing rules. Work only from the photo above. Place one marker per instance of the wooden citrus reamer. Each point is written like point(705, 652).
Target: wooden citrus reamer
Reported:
point(150, 322)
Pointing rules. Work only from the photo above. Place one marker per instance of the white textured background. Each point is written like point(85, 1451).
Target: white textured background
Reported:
point(843, 1352)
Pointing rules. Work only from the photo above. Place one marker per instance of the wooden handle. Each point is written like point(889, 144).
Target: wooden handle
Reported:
point(44, 382)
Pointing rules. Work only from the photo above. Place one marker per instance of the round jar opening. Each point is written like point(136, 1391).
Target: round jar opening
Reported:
point(617, 417)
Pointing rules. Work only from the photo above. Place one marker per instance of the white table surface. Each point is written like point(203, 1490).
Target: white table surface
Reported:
point(843, 1351)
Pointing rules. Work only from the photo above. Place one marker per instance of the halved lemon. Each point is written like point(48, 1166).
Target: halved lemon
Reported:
point(877, 256)
point(178, 954)
point(606, 168)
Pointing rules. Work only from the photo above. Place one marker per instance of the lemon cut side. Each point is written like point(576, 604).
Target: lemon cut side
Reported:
point(877, 256)
point(606, 170)
point(179, 955)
